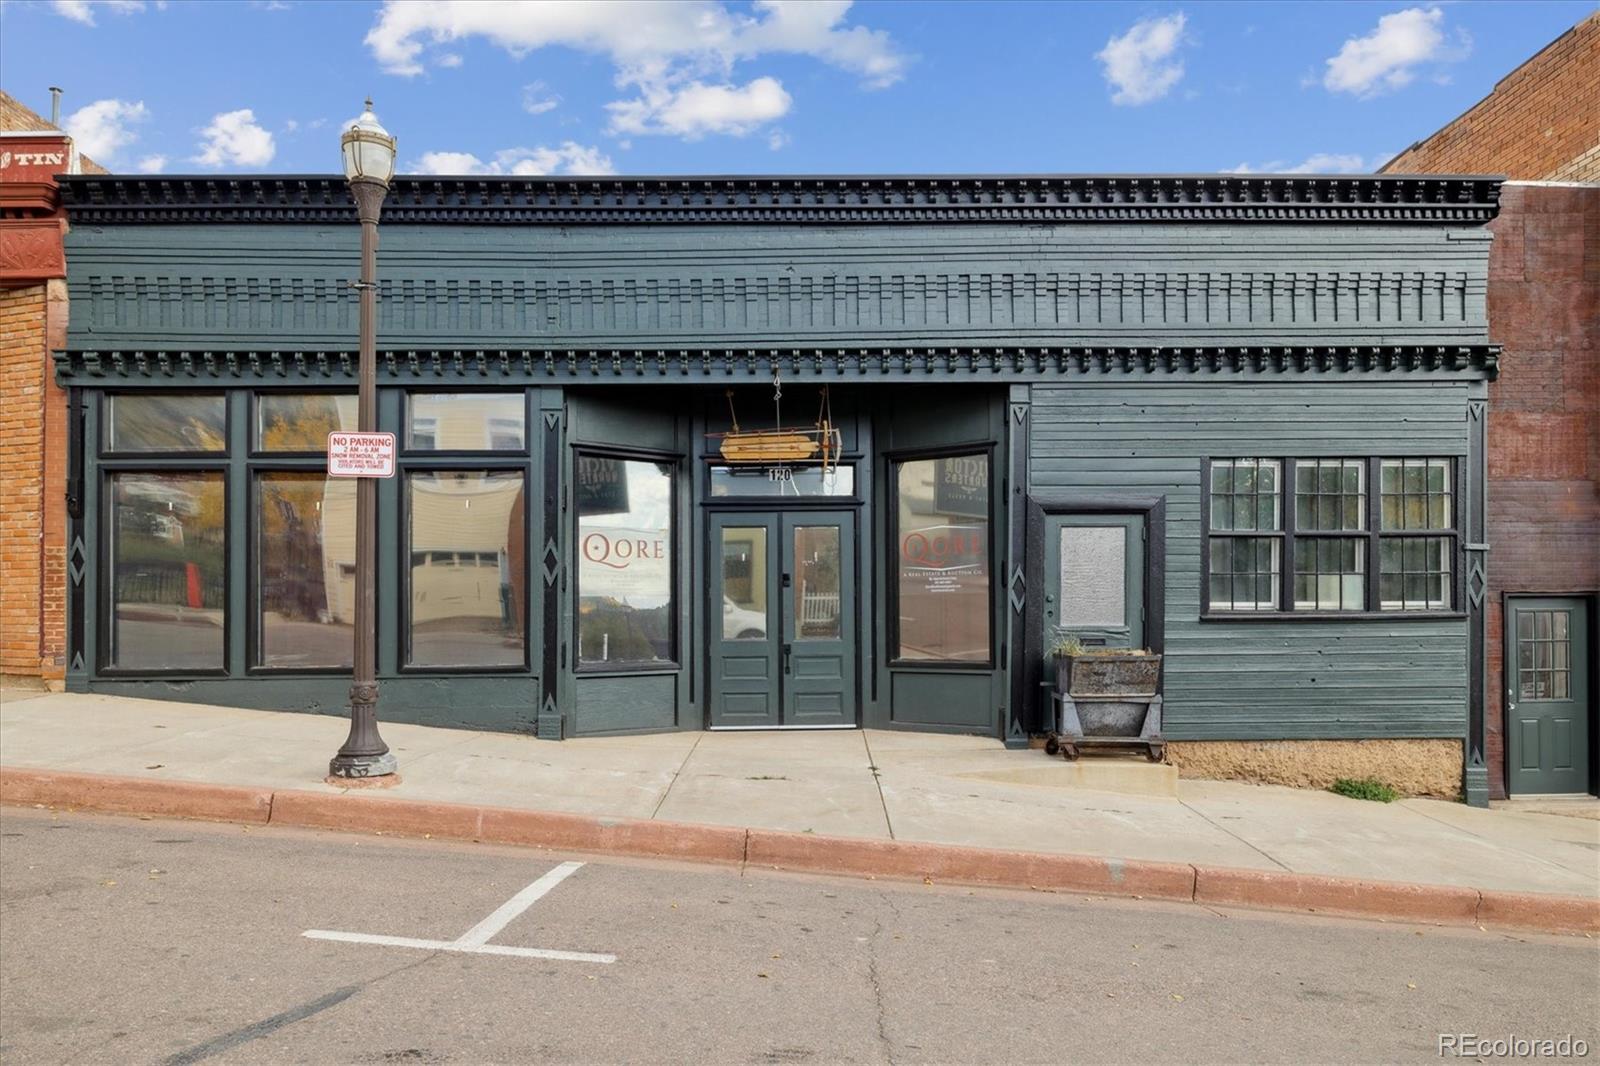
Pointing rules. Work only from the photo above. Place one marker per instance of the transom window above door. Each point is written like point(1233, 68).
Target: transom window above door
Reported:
point(1313, 553)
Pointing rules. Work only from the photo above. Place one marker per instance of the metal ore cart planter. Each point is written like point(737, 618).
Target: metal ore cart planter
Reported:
point(1107, 700)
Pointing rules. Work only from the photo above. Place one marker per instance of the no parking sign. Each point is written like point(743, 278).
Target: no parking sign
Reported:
point(361, 455)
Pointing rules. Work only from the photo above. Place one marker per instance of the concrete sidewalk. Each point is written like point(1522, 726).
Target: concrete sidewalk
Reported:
point(869, 784)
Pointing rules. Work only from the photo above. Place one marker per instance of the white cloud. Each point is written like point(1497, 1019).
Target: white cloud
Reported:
point(569, 158)
point(1141, 65)
point(151, 164)
point(1318, 163)
point(234, 139)
point(102, 128)
point(449, 59)
point(1387, 58)
point(537, 98)
point(83, 10)
point(678, 56)
point(778, 139)
point(691, 111)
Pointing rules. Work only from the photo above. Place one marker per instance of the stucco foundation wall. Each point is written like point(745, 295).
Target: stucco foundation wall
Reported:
point(1413, 767)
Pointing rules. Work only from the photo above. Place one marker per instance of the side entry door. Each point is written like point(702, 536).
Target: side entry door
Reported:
point(1548, 711)
point(1094, 579)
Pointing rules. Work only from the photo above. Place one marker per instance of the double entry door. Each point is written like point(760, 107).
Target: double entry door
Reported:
point(782, 619)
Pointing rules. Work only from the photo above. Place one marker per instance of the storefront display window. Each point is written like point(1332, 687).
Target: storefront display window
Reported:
point(467, 570)
point(942, 559)
point(625, 561)
point(305, 570)
point(168, 571)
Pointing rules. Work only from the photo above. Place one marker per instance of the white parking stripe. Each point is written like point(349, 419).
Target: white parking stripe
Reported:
point(455, 945)
point(475, 941)
point(485, 930)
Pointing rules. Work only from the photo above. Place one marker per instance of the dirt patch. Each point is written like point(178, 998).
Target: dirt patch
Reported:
point(1411, 767)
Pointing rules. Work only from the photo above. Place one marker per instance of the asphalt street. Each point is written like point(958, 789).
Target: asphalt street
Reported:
point(132, 940)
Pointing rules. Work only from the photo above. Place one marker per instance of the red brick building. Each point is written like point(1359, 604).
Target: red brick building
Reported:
point(1540, 126)
point(33, 409)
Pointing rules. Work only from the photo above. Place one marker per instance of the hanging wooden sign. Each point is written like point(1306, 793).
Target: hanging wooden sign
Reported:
point(768, 447)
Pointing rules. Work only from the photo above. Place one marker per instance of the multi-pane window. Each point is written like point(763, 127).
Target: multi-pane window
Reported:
point(1330, 550)
point(1414, 571)
point(1245, 547)
point(1331, 531)
point(1544, 655)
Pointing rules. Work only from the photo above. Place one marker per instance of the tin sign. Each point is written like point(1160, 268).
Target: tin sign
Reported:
point(361, 455)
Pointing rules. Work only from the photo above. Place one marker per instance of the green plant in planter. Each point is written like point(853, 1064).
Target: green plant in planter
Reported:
point(1364, 788)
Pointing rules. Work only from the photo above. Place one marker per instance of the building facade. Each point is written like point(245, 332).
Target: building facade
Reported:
point(1541, 125)
point(33, 321)
point(1238, 420)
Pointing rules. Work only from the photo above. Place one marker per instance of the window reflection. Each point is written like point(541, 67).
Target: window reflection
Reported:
point(140, 422)
point(816, 583)
point(305, 576)
point(301, 422)
point(744, 583)
point(624, 561)
point(942, 521)
point(167, 571)
point(466, 422)
point(468, 568)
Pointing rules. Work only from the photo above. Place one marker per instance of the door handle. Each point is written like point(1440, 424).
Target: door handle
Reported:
point(786, 650)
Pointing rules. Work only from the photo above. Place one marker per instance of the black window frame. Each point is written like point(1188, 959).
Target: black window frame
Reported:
point(639, 455)
point(1372, 534)
point(892, 462)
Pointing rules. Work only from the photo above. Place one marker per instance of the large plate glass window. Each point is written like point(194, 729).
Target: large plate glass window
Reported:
point(168, 571)
point(1246, 543)
point(625, 562)
point(468, 568)
point(466, 422)
point(305, 570)
point(942, 559)
point(301, 422)
point(155, 423)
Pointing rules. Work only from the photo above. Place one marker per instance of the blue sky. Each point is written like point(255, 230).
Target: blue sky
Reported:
point(729, 86)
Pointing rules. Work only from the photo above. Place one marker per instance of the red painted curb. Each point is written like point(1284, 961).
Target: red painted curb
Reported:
point(1335, 895)
point(135, 795)
point(1266, 889)
point(628, 836)
point(1535, 910)
point(969, 865)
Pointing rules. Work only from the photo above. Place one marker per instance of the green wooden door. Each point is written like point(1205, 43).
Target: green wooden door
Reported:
point(1094, 579)
point(819, 627)
point(1548, 714)
point(783, 620)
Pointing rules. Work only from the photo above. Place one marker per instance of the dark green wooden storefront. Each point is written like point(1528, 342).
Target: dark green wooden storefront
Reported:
point(1160, 347)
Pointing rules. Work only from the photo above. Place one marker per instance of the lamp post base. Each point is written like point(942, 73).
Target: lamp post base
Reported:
point(355, 766)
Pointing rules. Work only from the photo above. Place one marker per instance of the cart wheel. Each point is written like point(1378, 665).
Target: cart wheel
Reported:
point(1070, 751)
point(1052, 747)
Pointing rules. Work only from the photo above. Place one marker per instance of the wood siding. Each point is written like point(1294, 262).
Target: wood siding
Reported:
point(1405, 677)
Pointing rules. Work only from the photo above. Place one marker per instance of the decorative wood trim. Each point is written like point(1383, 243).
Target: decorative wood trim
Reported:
point(555, 366)
point(816, 199)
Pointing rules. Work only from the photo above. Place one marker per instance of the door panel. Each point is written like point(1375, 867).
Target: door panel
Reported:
point(819, 619)
point(745, 646)
point(1549, 717)
point(784, 651)
point(1094, 579)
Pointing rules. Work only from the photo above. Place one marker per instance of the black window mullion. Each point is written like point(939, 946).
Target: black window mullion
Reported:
point(1374, 536)
point(1288, 503)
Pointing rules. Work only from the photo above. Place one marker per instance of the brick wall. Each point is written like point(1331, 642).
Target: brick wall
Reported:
point(1544, 412)
point(32, 482)
point(1541, 122)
